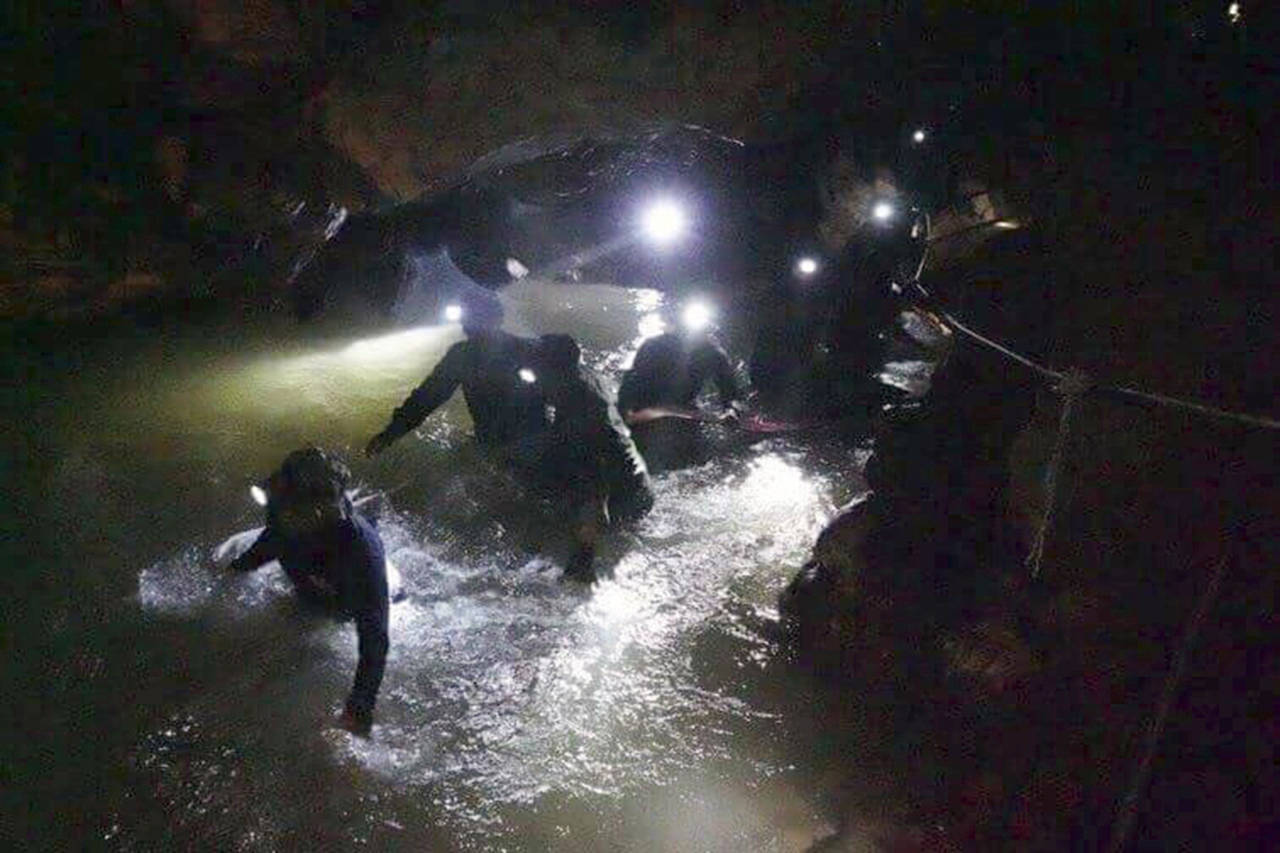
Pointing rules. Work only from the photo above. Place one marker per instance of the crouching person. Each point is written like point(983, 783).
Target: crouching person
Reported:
point(335, 559)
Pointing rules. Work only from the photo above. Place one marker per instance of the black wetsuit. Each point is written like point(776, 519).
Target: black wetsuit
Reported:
point(504, 407)
point(671, 370)
point(343, 568)
point(594, 452)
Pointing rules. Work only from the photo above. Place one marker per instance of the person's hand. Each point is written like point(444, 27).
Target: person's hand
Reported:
point(581, 566)
point(360, 725)
point(732, 413)
point(377, 444)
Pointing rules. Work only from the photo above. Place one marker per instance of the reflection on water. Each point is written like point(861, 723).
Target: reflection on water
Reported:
point(650, 326)
point(518, 711)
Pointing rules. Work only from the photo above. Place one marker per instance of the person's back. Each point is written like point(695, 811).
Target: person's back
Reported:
point(339, 566)
point(504, 407)
point(660, 392)
point(594, 443)
point(672, 369)
point(588, 423)
point(492, 368)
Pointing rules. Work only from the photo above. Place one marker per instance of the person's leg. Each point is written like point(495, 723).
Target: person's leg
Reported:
point(589, 519)
point(670, 444)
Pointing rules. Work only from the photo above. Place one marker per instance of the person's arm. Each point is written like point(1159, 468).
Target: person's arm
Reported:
point(627, 394)
point(635, 379)
point(723, 375)
point(374, 642)
point(263, 550)
point(434, 391)
point(372, 611)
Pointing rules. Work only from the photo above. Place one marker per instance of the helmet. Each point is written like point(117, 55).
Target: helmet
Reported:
point(309, 488)
point(559, 353)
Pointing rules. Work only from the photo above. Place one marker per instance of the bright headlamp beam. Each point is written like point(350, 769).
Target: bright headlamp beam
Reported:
point(918, 136)
point(696, 316)
point(664, 222)
point(882, 211)
point(258, 494)
point(516, 269)
point(806, 266)
point(393, 345)
point(452, 313)
point(527, 375)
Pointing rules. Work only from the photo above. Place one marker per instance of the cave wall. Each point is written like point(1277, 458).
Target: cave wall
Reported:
point(1147, 259)
point(194, 148)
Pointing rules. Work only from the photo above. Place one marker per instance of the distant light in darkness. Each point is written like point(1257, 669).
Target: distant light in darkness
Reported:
point(527, 375)
point(806, 266)
point(1233, 13)
point(918, 136)
point(664, 222)
point(452, 313)
point(882, 211)
point(258, 494)
point(1007, 224)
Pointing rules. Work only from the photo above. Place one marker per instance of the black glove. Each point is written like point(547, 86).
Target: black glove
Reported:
point(581, 566)
point(241, 564)
point(377, 444)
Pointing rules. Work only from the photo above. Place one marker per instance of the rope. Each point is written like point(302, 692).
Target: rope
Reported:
point(1003, 350)
point(1199, 408)
point(1072, 388)
point(1155, 729)
point(1120, 391)
point(1072, 385)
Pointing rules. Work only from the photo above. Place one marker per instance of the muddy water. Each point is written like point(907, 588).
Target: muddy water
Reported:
point(161, 703)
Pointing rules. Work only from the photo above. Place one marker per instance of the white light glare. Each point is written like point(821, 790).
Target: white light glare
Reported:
point(527, 375)
point(651, 325)
point(697, 316)
point(1233, 13)
point(918, 136)
point(452, 313)
point(664, 222)
point(258, 494)
point(775, 484)
point(806, 266)
point(516, 269)
point(882, 211)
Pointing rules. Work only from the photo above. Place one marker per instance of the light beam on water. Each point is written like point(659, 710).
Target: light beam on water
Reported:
point(516, 706)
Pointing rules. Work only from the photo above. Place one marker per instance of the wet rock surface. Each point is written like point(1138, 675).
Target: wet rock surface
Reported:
point(1031, 693)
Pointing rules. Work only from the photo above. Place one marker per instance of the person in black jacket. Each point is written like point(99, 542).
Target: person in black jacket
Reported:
point(493, 369)
point(658, 395)
point(590, 452)
point(335, 560)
